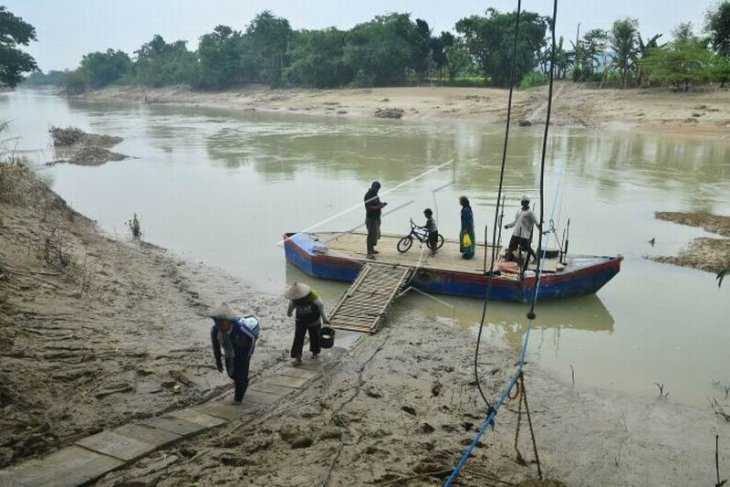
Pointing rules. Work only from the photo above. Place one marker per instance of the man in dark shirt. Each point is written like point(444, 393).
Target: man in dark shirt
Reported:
point(373, 208)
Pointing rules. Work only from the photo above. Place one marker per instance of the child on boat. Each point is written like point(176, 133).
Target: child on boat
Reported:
point(433, 232)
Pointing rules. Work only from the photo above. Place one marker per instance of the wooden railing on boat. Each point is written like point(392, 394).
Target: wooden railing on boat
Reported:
point(364, 306)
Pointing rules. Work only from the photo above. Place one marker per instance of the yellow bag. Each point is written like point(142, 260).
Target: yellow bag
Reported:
point(466, 240)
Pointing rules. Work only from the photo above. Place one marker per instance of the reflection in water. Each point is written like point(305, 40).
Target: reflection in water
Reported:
point(196, 171)
point(696, 167)
point(507, 320)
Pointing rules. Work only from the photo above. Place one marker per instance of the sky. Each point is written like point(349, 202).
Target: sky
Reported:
point(69, 29)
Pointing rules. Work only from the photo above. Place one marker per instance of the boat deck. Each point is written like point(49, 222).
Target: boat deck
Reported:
point(340, 256)
point(352, 246)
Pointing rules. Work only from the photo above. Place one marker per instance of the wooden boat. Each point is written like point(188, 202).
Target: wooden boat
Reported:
point(339, 256)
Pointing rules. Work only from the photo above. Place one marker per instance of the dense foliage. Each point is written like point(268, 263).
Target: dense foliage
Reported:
point(14, 32)
point(391, 49)
point(489, 40)
point(394, 49)
point(38, 78)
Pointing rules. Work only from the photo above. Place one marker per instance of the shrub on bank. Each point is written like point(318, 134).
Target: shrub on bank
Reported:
point(464, 82)
point(16, 181)
point(533, 79)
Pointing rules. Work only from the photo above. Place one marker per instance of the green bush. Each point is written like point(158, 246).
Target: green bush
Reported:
point(75, 82)
point(465, 82)
point(533, 79)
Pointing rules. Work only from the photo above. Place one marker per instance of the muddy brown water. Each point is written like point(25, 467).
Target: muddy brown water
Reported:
point(222, 187)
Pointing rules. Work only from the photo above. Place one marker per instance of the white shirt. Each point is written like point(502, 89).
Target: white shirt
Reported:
point(524, 221)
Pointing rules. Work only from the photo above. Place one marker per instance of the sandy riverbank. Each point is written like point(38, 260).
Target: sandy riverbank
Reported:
point(403, 405)
point(693, 114)
point(95, 332)
point(707, 254)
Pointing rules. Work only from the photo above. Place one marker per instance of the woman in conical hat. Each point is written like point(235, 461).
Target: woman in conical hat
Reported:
point(308, 318)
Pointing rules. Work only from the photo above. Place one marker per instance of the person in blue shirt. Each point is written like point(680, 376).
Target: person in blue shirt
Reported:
point(237, 336)
point(467, 228)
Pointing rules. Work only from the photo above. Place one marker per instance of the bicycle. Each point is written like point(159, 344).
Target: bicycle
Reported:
point(417, 233)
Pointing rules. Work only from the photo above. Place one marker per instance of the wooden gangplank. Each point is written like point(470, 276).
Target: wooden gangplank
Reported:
point(363, 307)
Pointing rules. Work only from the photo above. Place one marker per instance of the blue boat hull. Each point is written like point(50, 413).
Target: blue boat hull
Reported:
point(583, 277)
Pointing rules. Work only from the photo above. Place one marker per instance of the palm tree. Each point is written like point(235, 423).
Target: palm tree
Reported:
point(587, 53)
point(644, 50)
point(624, 43)
point(563, 59)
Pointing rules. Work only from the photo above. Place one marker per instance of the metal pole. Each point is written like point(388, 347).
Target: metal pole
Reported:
point(567, 238)
point(486, 246)
point(577, 50)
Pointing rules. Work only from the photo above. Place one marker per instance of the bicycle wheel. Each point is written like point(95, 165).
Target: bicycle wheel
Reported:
point(404, 244)
point(440, 241)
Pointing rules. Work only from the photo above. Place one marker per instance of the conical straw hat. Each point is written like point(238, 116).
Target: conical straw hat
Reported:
point(224, 312)
point(297, 291)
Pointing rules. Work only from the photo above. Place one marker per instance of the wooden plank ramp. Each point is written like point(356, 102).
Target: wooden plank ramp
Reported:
point(363, 307)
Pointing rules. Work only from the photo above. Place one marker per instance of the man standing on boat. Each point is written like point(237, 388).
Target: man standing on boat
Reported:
point(522, 234)
point(373, 209)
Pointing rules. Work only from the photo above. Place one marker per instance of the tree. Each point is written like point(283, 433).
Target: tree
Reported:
point(717, 24)
point(382, 51)
point(458, 58)
point(624, 42)
point(267, 40)
point(38, 78)
point(316, 58)
point(420, 40)
point(438, 47)
point(104, 68)
point(222, 59)
point(645, 48)
point(588, 53)
point(159, 63)
point(563, 59)
point(682, 63)
point(75, 81)
point(14, 32)
point(684, 34)
point(489, 40)
point(720, 69)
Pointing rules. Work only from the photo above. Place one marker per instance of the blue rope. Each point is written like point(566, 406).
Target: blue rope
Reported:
point(492, 410)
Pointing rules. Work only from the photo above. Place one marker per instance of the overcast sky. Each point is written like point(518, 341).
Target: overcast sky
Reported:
point(69, 29)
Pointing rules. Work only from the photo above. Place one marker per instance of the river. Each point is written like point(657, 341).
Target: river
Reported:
point(222, 187)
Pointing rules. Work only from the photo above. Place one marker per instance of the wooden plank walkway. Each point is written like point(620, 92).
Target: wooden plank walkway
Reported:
point(364, 305)
point(94, 456)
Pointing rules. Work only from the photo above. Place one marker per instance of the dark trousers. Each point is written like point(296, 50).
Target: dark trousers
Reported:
point(433, 240)
point(372, 223)
point(238, 371)
point(523, 244)
point(300, 330)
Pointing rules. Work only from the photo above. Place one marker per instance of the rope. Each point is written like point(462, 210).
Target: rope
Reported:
point(531, 313)
point(522, 394)
point(493, 409)
point(490, 277)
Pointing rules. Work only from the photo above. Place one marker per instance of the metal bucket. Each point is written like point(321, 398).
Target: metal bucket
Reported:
point(327, 337)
